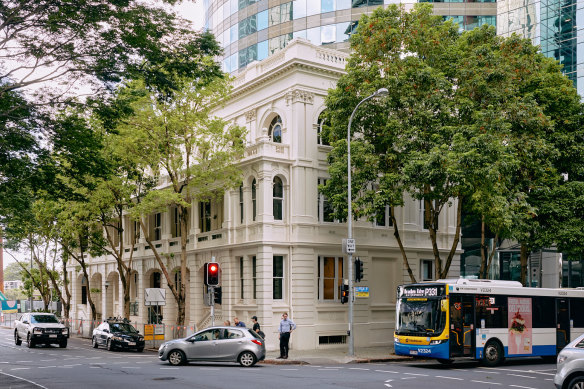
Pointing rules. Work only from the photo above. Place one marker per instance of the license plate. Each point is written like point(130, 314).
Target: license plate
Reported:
point(413, 352)
point(131, 343)
point(52, 336)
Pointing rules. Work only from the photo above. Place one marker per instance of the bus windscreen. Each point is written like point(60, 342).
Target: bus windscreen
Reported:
point(420, 317)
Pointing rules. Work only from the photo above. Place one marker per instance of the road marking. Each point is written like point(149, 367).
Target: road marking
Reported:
point(421, 375)
point(169, 368)
point(150, 361)
point(48, 360)
point(23, 361)
point(20, 378)
point(328, 369)
point(407, 378)
point(131, 367)
point(388, 385)
point(387, 371)
point(450, 378)
point(483, 382)
point(21, 368)
point(519, 375)
point(280, 369)
point(488, 371)
point(46, 367)
point(522, 387)
point(358, 368)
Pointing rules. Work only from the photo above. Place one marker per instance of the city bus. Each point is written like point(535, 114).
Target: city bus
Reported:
point(485, 320)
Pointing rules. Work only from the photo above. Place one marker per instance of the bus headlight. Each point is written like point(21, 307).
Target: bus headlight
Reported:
point(435, 342)
point(395, 339)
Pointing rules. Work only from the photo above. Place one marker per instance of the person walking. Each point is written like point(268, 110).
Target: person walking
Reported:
point(256, 327)
point(285, 329)
point(238, 323)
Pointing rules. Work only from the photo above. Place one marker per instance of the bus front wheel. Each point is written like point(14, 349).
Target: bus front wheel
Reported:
point(492, 354)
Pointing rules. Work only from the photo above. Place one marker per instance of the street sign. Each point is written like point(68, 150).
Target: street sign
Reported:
point(349, 246)
point(155, 296)
point(361, 291)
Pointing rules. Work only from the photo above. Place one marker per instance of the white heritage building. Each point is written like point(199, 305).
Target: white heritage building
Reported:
point(278, 248)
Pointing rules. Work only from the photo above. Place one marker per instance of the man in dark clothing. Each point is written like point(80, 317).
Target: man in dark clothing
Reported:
point(238, 323)
point(256, 327)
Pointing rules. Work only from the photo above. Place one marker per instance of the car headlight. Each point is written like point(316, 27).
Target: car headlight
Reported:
point(65, 330)
point(37, 330)
point(117, 338)
point(162, 347)
point(561, 358)
point(396, 340)
point(140, 339)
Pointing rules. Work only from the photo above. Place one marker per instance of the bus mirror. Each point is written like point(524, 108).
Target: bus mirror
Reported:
point(444, 305)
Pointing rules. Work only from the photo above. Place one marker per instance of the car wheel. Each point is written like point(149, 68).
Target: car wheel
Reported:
point(29, 341)
point(176, 357)
point(17, 340)
point(63, 343)
point(94, 342)
point(492, 354)
point(576, 383)
point(247, 359)
point(109, 345)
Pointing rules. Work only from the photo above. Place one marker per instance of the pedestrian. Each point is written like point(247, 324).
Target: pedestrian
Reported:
point(238, 323)
point(227, 323)
point(285, 329)
point(256, 327)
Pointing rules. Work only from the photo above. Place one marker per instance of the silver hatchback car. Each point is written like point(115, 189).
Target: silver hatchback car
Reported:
point(216, 344)
point(570, 369)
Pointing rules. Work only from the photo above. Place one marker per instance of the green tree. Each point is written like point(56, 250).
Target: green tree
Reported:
point(465, 120)
point(13, 272)
point(178, 140)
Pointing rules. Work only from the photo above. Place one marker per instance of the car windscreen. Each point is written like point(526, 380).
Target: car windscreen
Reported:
point(122, 327)
point(43, 319)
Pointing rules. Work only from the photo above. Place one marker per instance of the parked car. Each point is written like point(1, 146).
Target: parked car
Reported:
point(117, 334)
point(216, 344)
point(570, 369)
point(40, 328)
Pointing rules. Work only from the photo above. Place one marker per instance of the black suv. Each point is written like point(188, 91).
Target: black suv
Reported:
point(117, 334)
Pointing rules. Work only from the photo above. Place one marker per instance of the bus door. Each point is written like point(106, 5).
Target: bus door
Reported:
point(462, 328)
point(562, 324)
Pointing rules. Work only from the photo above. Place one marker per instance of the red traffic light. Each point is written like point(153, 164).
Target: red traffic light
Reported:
point(211, 274)
point(212, 268)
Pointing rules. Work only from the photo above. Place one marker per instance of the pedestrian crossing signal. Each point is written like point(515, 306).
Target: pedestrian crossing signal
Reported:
point(344, 293)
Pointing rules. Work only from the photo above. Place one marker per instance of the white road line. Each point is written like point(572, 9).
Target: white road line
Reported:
point(23, 361)
point(328, 369)
point(21, 368)
point(46, 367)
point(450, 378)
point(131, 367)
point(169, 368)
point(522, 376)
point(387, 371)
point(358, 368)
point(522, 387)
point(421, 375)
point(488, 371)
point(4, 362)
point(280, 369)
point(48, 360)
point(407, 378)
point(483, 382)
point(150, 361)
point(23, 379)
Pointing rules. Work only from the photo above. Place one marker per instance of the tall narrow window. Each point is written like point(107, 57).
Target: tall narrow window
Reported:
point(324, 208)
point(241, 278)
point(205, 216)
point(278, 196)
point(426, 269)
point(156, 280)
point(321, 140)
point(176, 223)
point(253, 199)
point(330, 277)
point(254, 276)
point(278, 279)
point(136, 231)
point(275, 130)
point(157, 226)
point(383, 217)
point(241, 204)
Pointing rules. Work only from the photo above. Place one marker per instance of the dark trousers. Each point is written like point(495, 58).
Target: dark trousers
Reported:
point(284, 340)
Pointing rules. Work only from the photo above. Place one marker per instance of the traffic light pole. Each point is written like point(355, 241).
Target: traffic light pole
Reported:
point(211, 293)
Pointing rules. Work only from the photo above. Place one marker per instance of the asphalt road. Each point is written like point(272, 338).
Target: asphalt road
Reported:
point(80, 366)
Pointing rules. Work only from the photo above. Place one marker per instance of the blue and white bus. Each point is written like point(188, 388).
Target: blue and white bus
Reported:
point(485, 320)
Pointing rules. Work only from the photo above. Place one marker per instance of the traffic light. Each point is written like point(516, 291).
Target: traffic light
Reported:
point(211, 274)
point(218, 295)
point(344, 293)
point(358, 270)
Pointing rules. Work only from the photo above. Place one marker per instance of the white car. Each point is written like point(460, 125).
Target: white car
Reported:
point(570, 369)
point(40, 328)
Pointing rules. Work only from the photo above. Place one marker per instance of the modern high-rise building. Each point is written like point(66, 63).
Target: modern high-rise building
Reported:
point(251, 30)
point(556, 25)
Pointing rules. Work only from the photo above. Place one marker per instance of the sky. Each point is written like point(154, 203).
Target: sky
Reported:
point(189, 10)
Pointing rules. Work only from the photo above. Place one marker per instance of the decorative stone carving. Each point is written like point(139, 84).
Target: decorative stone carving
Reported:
point(299, 96)
point(250, 115)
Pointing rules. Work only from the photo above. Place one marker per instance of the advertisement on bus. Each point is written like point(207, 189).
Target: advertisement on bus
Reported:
point(520, 325)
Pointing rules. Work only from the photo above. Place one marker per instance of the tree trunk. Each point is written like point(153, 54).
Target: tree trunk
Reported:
point(482, 271)
point(456, 239)
point(401, 247)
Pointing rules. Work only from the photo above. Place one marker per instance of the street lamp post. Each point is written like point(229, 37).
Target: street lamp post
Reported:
point(379, 92)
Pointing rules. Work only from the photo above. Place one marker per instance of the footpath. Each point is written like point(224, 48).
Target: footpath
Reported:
point(336, 356)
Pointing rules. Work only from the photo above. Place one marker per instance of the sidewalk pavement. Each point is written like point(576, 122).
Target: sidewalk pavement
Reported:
point(336, 356)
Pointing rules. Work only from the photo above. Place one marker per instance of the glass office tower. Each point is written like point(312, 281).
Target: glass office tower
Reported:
point(250, 30)
point(556, 25)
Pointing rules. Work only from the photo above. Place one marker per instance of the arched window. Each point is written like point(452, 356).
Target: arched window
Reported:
point(253, 199)
point(321, 140)
point(275, 130)
point(278, 196)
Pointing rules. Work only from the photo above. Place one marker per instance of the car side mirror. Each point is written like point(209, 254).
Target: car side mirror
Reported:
point(25, 322)
point(107, 331)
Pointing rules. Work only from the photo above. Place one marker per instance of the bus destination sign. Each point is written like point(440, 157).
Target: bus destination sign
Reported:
point(421, 291)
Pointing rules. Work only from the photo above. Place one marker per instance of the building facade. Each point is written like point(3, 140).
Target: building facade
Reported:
point(278, 246)
point(252, 30)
